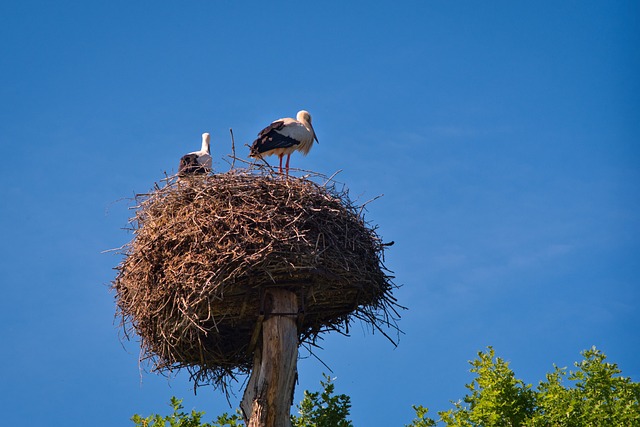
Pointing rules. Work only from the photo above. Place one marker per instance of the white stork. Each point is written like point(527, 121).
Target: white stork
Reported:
point(196, 162)
point(284, 136)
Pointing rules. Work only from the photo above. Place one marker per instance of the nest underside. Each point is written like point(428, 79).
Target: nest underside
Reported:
point(192, 282)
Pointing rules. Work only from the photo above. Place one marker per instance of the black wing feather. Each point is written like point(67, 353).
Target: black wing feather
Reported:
point(269, 139)
point(189, 165)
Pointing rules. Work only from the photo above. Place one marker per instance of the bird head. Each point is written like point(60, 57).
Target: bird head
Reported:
point(305, 117)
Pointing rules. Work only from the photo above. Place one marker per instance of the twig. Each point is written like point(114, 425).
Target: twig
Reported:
point(331, 177)
point(362, 207)
point(233, 148)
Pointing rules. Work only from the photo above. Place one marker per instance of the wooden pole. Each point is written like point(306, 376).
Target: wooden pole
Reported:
point(268, 397)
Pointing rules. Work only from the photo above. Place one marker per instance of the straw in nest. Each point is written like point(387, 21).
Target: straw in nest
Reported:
point(192, 281)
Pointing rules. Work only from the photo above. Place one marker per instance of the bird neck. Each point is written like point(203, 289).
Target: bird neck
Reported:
point(205, 145)
point(305, 123)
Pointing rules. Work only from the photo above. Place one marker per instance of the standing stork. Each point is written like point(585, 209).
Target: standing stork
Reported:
point(284, 136)
point(196, 162)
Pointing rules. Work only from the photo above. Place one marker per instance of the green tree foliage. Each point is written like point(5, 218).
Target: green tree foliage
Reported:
point(318, 409)
point(497, 398)
point(323, 409)
point(422, 420)
point(181, 419)
point(598, 397)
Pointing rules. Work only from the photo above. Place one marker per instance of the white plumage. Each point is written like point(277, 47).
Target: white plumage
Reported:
point(284, 136)
point(196, 162)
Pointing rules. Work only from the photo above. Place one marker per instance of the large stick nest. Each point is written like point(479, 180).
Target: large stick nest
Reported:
point(192, 281)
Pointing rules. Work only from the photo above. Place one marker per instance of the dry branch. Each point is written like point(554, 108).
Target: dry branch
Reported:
point(205, 249)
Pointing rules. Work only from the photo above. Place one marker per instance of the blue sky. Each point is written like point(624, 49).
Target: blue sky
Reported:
point(504, 137)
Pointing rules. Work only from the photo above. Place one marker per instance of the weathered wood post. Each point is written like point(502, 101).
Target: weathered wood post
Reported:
point(268, 397)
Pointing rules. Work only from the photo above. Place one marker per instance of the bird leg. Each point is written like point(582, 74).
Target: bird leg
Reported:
point(287, 165)
point(281, 155)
